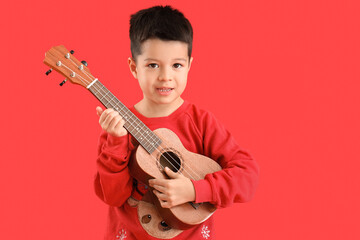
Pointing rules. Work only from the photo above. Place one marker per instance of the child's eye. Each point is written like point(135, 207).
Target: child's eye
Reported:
point(177, 65)
point(153, 65)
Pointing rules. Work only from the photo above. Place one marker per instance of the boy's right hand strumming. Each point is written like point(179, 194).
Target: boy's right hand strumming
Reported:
point(111, 122)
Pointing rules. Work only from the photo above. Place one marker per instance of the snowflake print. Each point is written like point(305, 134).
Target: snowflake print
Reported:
point(205, 232)
point(121, 235)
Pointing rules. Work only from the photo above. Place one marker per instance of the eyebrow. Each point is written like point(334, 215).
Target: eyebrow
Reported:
point(177, 59)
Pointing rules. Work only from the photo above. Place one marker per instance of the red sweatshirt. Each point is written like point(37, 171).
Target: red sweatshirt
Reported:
point(199, 132)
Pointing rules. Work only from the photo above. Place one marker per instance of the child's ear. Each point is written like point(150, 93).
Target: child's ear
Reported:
point(190, 61)
point(132, 66)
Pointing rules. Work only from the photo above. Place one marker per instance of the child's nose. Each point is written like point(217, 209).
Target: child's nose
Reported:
point(165, 75)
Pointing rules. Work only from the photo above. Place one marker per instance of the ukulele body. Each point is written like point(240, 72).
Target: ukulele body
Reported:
point(171, 153)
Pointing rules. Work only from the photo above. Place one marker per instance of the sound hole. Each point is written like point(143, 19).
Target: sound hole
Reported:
point(170, 160)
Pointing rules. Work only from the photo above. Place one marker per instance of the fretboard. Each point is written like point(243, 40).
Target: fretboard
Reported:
point(133, 124)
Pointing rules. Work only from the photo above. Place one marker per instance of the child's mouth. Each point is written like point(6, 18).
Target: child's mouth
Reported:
point(164, 91)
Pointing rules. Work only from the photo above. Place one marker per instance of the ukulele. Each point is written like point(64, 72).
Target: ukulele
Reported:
point(156, 149)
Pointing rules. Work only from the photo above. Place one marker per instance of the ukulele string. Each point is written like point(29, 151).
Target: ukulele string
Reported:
point(83, 70)
point(77, 75)
point(87, 83)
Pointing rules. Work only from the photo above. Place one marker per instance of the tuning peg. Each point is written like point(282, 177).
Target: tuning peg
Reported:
point(72, 51)
point(48, 71)
point(84, 62)
point(62, 83)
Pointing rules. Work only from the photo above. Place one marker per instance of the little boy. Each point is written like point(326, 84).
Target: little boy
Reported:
point(161, 44)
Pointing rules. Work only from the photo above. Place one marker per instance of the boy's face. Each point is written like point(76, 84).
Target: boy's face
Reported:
point(162, 69)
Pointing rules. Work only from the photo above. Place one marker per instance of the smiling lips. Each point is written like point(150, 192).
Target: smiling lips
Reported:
point(164, 91)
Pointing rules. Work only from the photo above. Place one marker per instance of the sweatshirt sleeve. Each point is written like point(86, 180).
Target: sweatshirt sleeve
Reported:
point(113, 183)
point(238, 179)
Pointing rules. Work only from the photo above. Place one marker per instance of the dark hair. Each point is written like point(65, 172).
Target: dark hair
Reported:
point(162, 22)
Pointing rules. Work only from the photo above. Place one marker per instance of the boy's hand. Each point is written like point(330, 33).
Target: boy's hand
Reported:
point(111, 122)
point(175, 191)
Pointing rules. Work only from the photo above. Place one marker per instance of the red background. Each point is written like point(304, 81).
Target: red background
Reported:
point(283, 76)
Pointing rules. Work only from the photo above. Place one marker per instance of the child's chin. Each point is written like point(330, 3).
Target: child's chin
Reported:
point(167, 101)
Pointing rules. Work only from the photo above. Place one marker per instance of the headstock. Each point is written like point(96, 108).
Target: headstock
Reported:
point(62, 61)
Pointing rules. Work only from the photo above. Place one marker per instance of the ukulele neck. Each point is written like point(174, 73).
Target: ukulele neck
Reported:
point(146, 138)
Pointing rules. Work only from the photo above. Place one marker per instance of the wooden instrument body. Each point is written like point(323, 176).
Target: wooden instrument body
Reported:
point(145, 166)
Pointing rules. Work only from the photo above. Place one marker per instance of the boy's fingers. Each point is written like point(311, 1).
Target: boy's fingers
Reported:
point(158, 182)
point(159, 188)
point(99, 110)
point(112, 118)
point(102, 118)
point(171, 174)
point(116, 122)
point(107, 116)
point(119, 124)
point(160, 195)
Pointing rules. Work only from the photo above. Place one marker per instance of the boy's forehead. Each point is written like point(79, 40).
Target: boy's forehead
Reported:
point(156, 49)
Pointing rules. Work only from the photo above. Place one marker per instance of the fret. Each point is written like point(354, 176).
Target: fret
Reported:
point(146, 138)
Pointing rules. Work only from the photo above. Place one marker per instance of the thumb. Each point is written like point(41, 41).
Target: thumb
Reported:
point(171, 174)
point(99, 111)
